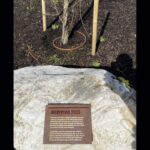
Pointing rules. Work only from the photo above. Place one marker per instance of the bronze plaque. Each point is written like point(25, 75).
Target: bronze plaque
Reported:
point(68, 124)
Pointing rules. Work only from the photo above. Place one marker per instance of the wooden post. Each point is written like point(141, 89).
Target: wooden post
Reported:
point(44, 15)
point(95, 18)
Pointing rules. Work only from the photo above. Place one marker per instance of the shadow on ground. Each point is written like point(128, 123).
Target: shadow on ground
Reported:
point(79, 22)
point(102, 30)
point(122, 67)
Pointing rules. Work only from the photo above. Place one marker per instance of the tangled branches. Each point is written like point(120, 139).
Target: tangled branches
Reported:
point(72, 13)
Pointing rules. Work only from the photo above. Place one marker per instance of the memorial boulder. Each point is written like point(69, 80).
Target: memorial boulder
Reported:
point(112, 107)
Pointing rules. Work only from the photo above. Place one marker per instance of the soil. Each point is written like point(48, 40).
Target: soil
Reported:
point(75, 42)
point(116, 24)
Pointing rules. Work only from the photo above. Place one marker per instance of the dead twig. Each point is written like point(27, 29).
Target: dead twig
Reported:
point(82, 20)
point(30, 53)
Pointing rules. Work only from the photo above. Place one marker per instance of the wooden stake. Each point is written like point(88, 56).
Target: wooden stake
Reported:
point(44, 15)
point(95, 18)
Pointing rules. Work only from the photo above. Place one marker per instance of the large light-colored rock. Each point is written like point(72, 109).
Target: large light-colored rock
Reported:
point(113, 106)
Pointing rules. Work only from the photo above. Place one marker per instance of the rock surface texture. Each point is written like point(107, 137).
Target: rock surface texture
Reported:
point(113, 106)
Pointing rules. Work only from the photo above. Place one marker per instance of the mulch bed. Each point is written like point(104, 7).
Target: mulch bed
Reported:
point(116, 24)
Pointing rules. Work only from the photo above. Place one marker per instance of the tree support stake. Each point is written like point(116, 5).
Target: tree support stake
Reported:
point(43, 15)
point(95, 18)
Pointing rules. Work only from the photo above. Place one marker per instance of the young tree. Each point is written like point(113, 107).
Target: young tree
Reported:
point(65, 32)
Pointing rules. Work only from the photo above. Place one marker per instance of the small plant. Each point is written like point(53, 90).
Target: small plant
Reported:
point(126, 82)
point(55, 59)
point(30, 48)
point(55, 2)
point(55, 26)
point(96, 64)
point(102, 39)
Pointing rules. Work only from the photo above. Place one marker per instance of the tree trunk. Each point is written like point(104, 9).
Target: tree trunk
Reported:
point(65, 31)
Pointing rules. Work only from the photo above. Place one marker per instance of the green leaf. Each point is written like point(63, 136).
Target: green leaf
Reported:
point(123, 80)
point(55, 26)
point(55, 2)
point(102, 39)
point(96, 64)
point(55, 59)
